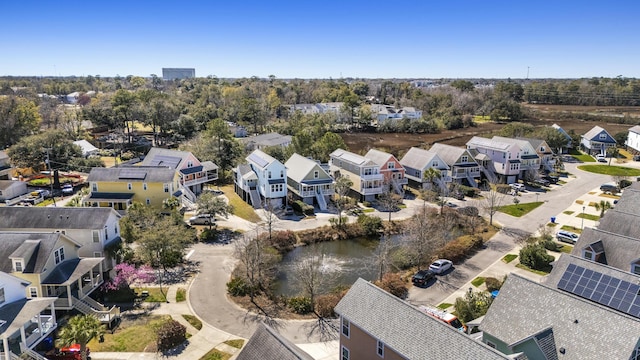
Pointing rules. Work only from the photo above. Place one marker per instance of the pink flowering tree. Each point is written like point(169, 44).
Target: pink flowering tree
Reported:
point(127, 274)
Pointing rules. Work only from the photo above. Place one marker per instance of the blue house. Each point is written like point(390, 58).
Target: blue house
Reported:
point(597, 141)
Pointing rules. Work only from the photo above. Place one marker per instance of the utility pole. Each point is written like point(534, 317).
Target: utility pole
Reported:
point(50, 176)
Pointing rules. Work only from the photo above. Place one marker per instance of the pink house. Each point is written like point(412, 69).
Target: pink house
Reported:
point(391, 169)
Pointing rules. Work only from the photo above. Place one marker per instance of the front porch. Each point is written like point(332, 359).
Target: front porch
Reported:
point(118, 201)
point(73, 278)
point(25, 323)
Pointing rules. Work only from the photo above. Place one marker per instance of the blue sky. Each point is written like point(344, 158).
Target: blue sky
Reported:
point(307, 39)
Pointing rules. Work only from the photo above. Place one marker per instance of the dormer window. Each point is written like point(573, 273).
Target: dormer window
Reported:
point(17, 265)
point(269, 175)
point(588, 254)
point(391, 165)
point(189, 164)
point(635, 267)
point(58, 255)
point(316, 174)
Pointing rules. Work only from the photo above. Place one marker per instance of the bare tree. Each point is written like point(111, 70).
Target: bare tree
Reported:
point(381, 257)
point(492, 201)
point(270, 217)
point(419, 238)
point(342, 186)
point(311, 276)
point(389, 200)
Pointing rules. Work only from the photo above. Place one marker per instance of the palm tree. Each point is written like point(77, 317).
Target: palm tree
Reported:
point(80, 330)
point(602, 206)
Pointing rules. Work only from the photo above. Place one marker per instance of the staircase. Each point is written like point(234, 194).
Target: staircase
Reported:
point(188, 198)
point(322, 203)
point(441, 184)
point(100, 311)
point(489, 175)
point(472, 181)
point(396, 187)
point(255, 199)
point(27, 354)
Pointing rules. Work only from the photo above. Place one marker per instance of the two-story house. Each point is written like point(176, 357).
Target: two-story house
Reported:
point(50, 262)
point(193, 174)
point(24, 322)
point(262, 141)
point(308, 181)
point(597, 141)
point(464, 168)
point(529, 159)
point(377, 325)
point(544, 151)
point(416, 161)
point(120, 187)
point(364, 173)
point(270, 180)
point(633, 139)
point(391, 169)
point(95, 229)
point(497, 157)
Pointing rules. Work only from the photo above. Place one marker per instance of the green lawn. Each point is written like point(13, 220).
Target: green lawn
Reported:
point(568, 212)
point(236, 343)
point(240, 208)
point(136, 336)
point(509, 258)
point(581, 156)
point(477, 281)
point(519, 210)
point(543, 273)
point(181, 295)
point(155, 295)
point(589, 217)
point(610, 170)
point(215, 354)
point(571, 228)
point(444, 306)
point(194, 321)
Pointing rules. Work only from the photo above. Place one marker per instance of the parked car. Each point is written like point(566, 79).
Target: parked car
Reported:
point(636, 158)
point(67, 353)
point(451, 205)
point(441, 265)
point(288, 210)
point(601, 158)
point(422, 277)
point(567, 236)
point(610, 188)
point(552, 179)
point(517, 186)
point(542, 182)
point(67, 189)
point(202, 219)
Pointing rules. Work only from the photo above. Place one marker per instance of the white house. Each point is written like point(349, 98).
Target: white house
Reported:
point(416, 161)
point(269, 182)
point(307, 180)
point(10, 189)
point(569, 144)
point(500, 158)
point(633, 139)
point(597, 141)
point(24, 323)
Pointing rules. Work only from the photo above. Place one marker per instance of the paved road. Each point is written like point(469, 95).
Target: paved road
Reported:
point(208, 291)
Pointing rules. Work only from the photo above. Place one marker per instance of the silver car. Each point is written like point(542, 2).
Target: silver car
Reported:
point(567, 236)
point(202, 219)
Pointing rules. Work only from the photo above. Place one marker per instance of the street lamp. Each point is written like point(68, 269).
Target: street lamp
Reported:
point(582, 226)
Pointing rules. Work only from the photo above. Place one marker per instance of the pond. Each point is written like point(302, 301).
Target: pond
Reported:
point(343, 262)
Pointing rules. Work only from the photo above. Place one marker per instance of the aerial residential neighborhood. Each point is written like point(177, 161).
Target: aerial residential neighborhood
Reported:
point(350, 181)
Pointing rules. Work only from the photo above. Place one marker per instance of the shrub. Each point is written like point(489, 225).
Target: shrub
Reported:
point(503, 188)
point(326, 303)
point(170, 334)
point(393, 284)
point(459, 248)
point(469, 211)
point(366, 204)
point(208, 235)
point(370, 224)
point(492, 283)
point(551, 245)
point(237, 287)
point(300, 305)
point(469, 191)
point(535, 256)
point(302, 207)
point(472, 305)
point(624, 183)
point(282, 241)
point(126, 156)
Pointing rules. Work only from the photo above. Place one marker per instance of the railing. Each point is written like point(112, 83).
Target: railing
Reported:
point(200, 180)
point(87, 289)
point(186, 192)
point(322, 203)
point(94, 304)
point(307, 193)
point(28, 354)
point(105, 316)
point(63, 304)
point(371, 191)
point(372, 177)
point(472, 180)
point(255, 199)
point(402, 181)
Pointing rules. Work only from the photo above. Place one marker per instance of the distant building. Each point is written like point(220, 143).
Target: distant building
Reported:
point(178, 73)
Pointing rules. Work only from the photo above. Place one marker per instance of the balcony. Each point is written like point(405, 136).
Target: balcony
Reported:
point(403, 181)
point(39, 327)
point(201, 178)
point(372, 177)
point(371, 190)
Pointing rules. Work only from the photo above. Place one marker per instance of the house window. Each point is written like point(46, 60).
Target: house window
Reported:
point(380, 349)
point(368, 171)
point(115, 229)
point(490, 344)
point(587, 254)
point(106, 233)
point(129, 186)
point(97, 254)
point(435, 164)
point(33, 292)
point(464, 159)
point(94, 187)
point(345, 353)
point(346, 327)
point(63, 232)
point(96, 236)
point(269, 176)
point(166, 188)
point(148, 201)
point(504, 155)
point(1, 295)
point(603, 136)
point(189, 164)
point(316, 174)
point(59, 255)
point(391, 165)
point(17, 265)
point(144, 186)
point(281, 174)
point(542, 149)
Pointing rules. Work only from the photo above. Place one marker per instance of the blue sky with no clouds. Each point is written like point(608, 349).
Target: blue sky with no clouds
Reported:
point(307, 39)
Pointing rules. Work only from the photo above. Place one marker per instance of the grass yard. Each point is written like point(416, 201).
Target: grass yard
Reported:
point(215, 354)
point(509, 258)
point(552, 224)
point(240, 208)
point(580, 202)
point(566, 248)
point(109, 161)
point(571, 228)
point(589, 217)
point(137, 335)
point(236, 343)
point(519, 210)
point(155, 295)
point(477, 281)
point(181, 295)
point(610, 170)
point(194, 321)
point(610, 196)
point(581, 156)
point(568, 212)
point(444, 306)
point(539, 272)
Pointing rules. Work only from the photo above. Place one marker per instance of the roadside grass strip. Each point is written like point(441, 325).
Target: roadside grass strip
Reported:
point(509, 258)
point(589, 217)
point(519, 210)
point(477, 281)
point(610, 170)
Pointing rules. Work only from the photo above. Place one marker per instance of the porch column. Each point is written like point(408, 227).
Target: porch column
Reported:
point(80, 292)
point(5, 345)
point(23, 338)
point(101, 267)
point(69, 303)
point(40, 324)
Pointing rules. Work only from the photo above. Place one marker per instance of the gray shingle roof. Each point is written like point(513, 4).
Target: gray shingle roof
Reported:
point(267, 344)
point(352, 158)
point(622, 222)
point(525, 308)
point(536, 143)
point(299, 166)
point(485, 143)
point(16, 314)
point(142, 174)
point(450, 154)
point(6, 184)
point(11, 241)
point(635, 129)
point(591, 134)
point(405, 329)
point(70, 271)
point(417, 158)
point(155, 153)
point(55, 217)
point(378, 157)
point(619, 250)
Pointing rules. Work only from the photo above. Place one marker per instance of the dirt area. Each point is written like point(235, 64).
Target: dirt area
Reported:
point(398, 144)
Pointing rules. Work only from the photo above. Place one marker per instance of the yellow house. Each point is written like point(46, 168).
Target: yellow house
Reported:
point(120, 187)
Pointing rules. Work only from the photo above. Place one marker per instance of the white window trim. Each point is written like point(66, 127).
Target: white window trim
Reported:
point(348, 326)
point(584, 254)
point(380, 349)
point(15, 265)
point(2, 295)
point(31, 288)
point(94, 237)
point(148, 201)
point(58, 255)
point(635, 265)
point(94, 187)
point(129, 186)
point(342, 352)
point(97, 254)
point(144, 186)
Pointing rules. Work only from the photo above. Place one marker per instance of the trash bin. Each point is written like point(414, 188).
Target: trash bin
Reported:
point(553, 219)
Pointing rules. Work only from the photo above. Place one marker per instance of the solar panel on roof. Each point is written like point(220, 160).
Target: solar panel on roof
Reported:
point(604, 289)
point(165, 160)
point(132, 174)
point(258, 160)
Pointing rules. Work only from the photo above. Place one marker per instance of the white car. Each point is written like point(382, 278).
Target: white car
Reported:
point(67, 189)
point(517, 186)
point(567, 236)
point(601, 158)
point(440, 266)
point(203, 219)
